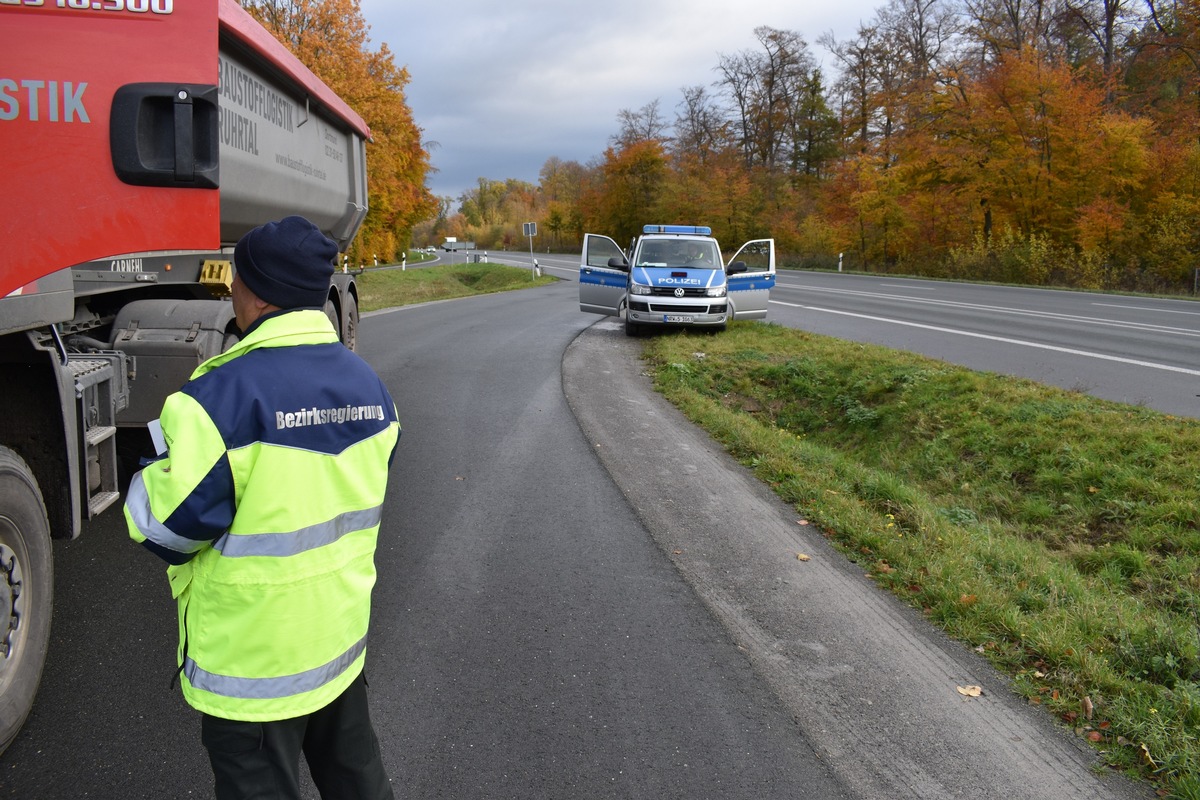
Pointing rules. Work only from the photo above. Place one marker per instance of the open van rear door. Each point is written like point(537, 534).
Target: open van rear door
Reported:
point(749, 290)
point(601, 287)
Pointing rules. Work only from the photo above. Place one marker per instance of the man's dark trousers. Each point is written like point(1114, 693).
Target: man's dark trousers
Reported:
point(261, 760)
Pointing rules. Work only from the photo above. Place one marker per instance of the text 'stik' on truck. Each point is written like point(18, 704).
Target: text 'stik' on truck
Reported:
point(139, 140)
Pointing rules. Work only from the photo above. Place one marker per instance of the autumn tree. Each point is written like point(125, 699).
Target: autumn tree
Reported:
point(331, 38)
point(816, 131)
point(1107, 24)
point(640, 125)
point(700, 126)
point(628, 197)
point(767, 89)
point(1001, 26)
point(561, 184)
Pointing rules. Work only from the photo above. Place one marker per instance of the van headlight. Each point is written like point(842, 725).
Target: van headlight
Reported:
point(715, 291)
point(637, 288)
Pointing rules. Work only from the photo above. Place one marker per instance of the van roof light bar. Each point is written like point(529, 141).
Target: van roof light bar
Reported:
point(695, 230)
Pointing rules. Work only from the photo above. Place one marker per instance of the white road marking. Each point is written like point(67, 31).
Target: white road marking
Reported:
point(1154, 310)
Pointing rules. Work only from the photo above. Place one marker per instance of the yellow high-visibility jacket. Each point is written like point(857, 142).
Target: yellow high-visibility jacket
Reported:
point(267, 506)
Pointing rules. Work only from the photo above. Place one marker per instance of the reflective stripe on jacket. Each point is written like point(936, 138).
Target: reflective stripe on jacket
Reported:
point(268, 506)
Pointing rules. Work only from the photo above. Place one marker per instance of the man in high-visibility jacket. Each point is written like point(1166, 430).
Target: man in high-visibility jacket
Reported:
point(267, 507)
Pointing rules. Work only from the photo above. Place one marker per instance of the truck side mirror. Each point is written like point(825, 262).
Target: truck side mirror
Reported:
point(617, 262)
point(736, 267)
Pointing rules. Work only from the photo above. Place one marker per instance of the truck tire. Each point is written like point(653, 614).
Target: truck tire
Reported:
point(350, 323)
point(332, 313)
point(26, 592)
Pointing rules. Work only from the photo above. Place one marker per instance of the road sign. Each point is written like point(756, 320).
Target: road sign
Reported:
point(529, 228)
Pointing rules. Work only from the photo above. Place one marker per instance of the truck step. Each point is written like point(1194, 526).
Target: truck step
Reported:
point(100, 433)
point(102, 500)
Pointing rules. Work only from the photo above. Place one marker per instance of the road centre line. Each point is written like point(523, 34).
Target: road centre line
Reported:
point(1003, 339)
point(1002, 310)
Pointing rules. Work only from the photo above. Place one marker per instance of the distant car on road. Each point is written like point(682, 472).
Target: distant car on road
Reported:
point(674, 275)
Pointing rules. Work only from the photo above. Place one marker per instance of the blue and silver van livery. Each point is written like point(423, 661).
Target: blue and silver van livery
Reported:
point(675, 275)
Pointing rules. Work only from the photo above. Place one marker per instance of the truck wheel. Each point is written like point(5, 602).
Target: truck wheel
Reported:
point(331, 312)
point(350, 323)
point(26, 592)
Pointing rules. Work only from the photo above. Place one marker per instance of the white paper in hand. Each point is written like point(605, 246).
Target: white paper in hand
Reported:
point(156, 436)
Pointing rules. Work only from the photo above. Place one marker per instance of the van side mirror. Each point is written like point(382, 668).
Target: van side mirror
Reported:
point(736, 267)
point(617, 262)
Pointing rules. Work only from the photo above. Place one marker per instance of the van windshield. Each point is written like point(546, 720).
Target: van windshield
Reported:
point(698, 253)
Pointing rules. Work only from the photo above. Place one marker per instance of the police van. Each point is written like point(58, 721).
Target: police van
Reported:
point(674, 275)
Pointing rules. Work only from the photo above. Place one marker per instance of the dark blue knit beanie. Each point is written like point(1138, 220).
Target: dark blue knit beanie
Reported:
point(288, 263)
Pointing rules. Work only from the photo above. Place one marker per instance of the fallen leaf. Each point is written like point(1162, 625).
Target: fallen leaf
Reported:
point(1149, 759)
point(801, 522)
point(459, 478)
point(1095, 736)
point(968, 599)
point(802, 557)
point(1086, 705)
point(970, 691)
point(677, 552)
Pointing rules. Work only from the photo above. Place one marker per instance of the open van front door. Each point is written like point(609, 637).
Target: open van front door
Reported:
point(750, 288)
point(601, 287)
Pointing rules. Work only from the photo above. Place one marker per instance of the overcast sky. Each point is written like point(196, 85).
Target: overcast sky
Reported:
point(502, 86)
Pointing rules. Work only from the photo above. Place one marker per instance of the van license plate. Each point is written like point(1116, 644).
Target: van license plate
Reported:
point(679, 318)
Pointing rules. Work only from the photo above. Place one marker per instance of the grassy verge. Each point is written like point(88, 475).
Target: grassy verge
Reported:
point(394, 287)
point(1056, 533)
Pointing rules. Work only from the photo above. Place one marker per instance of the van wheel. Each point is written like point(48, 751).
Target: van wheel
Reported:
point(26, 592)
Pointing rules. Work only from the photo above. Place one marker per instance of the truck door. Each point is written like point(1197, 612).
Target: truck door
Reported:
point(69, 72)
point(750, 290)
point(601, 287)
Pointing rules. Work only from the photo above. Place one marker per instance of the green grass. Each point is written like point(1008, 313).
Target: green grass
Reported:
point(394, 287)
point(1056, 533)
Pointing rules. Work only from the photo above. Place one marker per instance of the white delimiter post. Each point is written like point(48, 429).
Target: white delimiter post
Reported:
point(531, 231)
